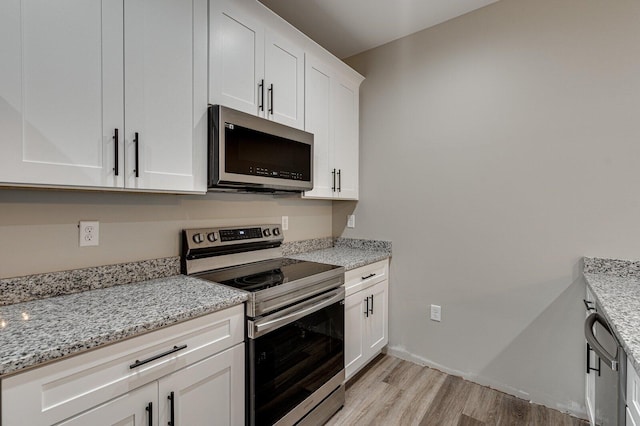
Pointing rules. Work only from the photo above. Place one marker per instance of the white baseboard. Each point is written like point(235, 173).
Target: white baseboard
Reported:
point(573, 408)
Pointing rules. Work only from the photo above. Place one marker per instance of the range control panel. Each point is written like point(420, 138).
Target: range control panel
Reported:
point(218, 237)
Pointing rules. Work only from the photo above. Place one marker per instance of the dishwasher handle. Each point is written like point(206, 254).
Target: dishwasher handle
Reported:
point(611, 360)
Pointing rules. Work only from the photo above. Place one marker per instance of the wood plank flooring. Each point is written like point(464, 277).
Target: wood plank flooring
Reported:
point(391, 391)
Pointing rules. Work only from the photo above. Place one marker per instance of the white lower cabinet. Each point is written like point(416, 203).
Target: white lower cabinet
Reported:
point(633, 395)
point(200, 362)
point(366, 315)
point(210, 392)
point(590, 377)
point(133, 408)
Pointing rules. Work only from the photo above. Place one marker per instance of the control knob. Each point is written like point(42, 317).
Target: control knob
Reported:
point(276, 231)
point(211, 236)
point(267, 232)
point(198, 238)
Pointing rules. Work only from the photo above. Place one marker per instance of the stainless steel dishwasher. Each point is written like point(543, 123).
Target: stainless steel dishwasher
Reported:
point(607, 360)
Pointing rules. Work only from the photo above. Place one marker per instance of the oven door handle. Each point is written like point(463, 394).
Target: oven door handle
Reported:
point(265, 325)
point(610, 359)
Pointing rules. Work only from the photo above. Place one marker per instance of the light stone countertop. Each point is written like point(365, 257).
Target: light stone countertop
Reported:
point(616, 286)
point(48, 316)
point(43, 330)
point(348, 257)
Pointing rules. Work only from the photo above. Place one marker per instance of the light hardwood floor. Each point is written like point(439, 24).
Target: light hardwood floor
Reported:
point(391, 391)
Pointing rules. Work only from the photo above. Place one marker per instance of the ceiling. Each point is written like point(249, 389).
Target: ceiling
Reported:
point(348, 27)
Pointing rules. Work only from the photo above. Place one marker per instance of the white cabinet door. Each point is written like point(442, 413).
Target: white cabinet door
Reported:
point(366, 325)
point(377, 324)
point(135, 408)
point(209, 392)
point(354, 333)
point(165, 94)
point(633, 394)
point(236, 62)
point(284, 81)
point(331, 114)
point(346, 143)
point(61, 91)
point(317, 118)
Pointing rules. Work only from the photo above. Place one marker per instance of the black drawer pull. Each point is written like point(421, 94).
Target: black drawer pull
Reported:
point(153, 358)
point(149, 410)
point(371, 308)
point(172, 420)
point(368, 276)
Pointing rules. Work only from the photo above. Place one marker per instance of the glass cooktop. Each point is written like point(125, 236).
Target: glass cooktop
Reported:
point(258, 276)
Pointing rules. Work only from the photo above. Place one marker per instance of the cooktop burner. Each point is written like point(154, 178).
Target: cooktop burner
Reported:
point(259, 276)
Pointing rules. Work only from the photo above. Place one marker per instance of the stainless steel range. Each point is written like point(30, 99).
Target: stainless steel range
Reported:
point(295, 321)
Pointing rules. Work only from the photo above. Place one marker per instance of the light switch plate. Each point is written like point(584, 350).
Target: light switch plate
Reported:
point(436, 313)
point(285, 223)
point(351, 221)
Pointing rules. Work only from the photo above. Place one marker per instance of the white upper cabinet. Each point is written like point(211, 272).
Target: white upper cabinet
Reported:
point(165, 94)
point(284, 81)
point(70, 79)
point(254, 69)
point(236, 60)
point(331, 114)
point(61, 91)
point(318, 114)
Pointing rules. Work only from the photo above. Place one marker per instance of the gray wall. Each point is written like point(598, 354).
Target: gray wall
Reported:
point(497, 149)
point(39, 229)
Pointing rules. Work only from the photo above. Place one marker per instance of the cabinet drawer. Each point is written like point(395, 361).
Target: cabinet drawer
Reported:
point(56, 391)
point(366, 276)
point(633, 392)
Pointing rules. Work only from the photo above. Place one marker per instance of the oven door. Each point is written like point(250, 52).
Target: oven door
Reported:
point(295, 359)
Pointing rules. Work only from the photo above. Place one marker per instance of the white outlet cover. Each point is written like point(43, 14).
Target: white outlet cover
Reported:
point(89, 233)
point(351, 221)
point(285, 223)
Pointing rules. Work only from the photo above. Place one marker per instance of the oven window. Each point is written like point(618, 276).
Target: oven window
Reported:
point(292, 362)
point(250, 152)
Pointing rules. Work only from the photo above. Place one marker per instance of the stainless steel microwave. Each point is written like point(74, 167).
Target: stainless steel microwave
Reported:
point(249, 153)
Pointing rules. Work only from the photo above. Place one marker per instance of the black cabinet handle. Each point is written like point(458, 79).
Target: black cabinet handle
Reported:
point(589, 368)
point(339, 180)
point(115, 143)
point(588, 305)
point(368, 276)
point(366, 309)
point(136, 141)
point(333, 173)
point(149, 410)
point(271, 99)
point(172, 412)
point(261, 86)
point(371, 308)
point(153, 358)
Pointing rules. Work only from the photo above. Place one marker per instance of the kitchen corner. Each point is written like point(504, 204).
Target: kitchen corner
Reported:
point(612, 331)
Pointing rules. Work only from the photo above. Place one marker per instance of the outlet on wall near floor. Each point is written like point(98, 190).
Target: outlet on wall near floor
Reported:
point(436, 312)
point(285, 223)
point(89, 233)
point(351, 221)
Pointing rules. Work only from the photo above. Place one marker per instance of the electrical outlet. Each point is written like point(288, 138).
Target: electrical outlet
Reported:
point(285, 223)
point(89, 233)
point(436, 312)
point(351, 221)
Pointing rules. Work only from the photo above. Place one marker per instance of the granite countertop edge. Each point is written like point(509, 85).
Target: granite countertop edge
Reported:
point(618, 327)
point(32, 354)
point(347, 257)
point(28, 352)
